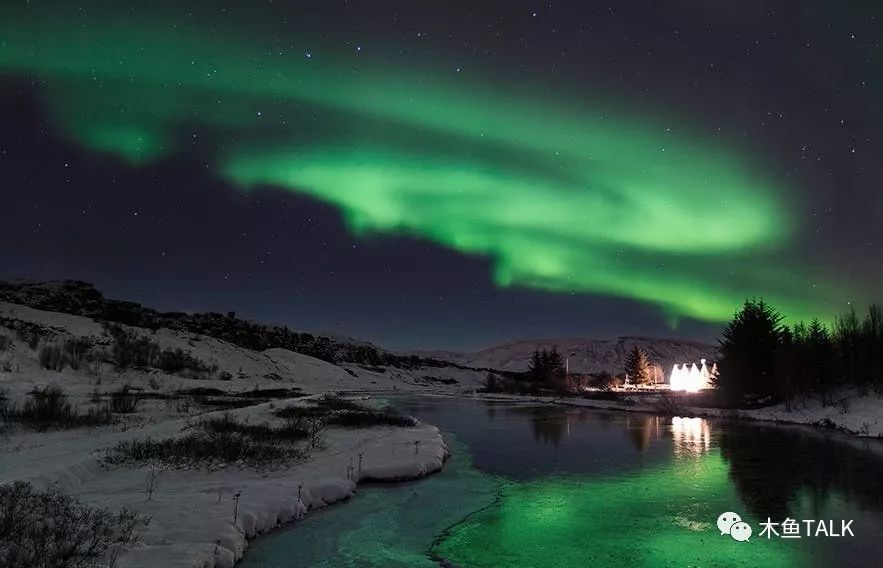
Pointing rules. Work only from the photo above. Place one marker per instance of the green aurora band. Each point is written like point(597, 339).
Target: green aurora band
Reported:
point(559, 196)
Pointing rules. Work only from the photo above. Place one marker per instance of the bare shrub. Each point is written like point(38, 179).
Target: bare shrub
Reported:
point(311, 420)
point(76, 352)
point(125, 400)
point(151, 482)
point(344, 413)
point(199, 447)
point(93, 367)
point(133, 350)
point(218, 440)
point(179, 362)
point(51, 357)
point(46, 407)
point(316, 427)
point(49, 408)
point(39, 529)
point(30, 333)
point(368, 418)
point(73, 353)
point(4, 404)
point(291, 430)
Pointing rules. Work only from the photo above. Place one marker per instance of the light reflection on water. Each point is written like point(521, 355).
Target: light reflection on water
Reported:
point(691, 436)
point(583, 487)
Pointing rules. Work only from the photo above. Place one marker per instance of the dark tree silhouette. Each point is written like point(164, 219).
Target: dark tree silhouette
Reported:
point(637, 366)
point(750, 353)
point(807, 362)
point(761, 357)
point(535, 369)
point(858, 344)
point(546, 368)
point(554, 367)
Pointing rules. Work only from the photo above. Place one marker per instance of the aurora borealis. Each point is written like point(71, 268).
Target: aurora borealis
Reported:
point(565, 190)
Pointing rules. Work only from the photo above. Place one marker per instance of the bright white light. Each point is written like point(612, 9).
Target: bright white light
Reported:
point(690, 378)
point(692, 436)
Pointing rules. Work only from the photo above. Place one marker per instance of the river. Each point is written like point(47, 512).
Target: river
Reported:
point(548, 486)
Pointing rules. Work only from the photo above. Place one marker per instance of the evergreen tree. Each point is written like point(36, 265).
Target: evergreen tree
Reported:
point(820, 361)
point(848, 339)
point(536, 367)
point(546, 368)
point(791, 370)
point(637, 366)
point(871, 346)
point(761, 357)
point(555, 370)
point(750, 353)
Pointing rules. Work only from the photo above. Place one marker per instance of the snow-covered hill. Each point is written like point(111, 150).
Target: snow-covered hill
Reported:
point(238, 368)
point(360, 357)
point(191, 523)
point(583, 355)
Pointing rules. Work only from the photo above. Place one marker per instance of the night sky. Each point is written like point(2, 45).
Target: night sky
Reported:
point(453, 174)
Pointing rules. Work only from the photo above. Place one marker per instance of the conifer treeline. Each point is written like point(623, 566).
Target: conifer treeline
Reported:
point(763, 358)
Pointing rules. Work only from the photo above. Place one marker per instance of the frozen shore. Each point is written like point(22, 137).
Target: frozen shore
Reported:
point(192, 510)
point(194, 516)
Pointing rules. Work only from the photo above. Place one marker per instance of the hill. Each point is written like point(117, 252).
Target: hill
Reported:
point(584, 355)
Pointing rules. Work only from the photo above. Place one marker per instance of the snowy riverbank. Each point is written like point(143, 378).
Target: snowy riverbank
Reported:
point(192, 510)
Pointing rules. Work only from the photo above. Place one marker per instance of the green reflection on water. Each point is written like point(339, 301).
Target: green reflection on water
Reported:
point(663, 516)
point(384, 525)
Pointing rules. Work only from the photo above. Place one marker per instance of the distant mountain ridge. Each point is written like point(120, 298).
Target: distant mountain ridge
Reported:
point(80, 298)
point(583, 355)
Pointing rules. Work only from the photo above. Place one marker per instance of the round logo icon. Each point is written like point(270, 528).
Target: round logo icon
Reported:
point(740, 531)
point(726, 521)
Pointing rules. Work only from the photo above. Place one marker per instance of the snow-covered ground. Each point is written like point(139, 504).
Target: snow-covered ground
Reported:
point(273, 368)
point(192, 510)
point(856, 414)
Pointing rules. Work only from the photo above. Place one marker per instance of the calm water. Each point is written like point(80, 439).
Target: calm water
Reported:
point(536, 486)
